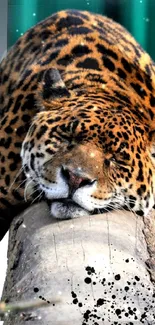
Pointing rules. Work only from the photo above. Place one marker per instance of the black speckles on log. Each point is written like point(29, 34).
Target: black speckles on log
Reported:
point(113, 289)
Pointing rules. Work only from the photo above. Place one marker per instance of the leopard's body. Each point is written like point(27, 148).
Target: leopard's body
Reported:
point(77, 95)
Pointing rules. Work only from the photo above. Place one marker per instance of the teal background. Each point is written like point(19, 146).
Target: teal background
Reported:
point(138, 16)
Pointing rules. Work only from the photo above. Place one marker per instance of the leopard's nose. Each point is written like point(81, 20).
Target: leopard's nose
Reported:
point(75, 179)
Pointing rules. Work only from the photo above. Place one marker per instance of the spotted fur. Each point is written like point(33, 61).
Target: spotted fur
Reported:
point(77, 105)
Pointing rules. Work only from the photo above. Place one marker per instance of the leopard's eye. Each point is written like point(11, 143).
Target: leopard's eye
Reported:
point(108, 161)
point(113, 159)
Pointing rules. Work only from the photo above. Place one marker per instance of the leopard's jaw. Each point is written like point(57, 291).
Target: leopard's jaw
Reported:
point(67, 210)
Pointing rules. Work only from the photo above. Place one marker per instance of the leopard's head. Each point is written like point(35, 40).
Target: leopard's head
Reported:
point(86, 157)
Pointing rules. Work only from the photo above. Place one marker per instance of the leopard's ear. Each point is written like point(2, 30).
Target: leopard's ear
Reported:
point(53, 86)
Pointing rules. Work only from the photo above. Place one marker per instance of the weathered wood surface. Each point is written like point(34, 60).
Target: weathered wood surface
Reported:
point(96, 264)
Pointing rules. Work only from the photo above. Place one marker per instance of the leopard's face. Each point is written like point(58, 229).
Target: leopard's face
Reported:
point(97, 159)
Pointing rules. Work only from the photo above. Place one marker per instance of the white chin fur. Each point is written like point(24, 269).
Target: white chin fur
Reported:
point(62, 210)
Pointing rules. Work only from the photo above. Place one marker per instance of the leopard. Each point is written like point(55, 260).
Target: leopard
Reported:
point(77, 119)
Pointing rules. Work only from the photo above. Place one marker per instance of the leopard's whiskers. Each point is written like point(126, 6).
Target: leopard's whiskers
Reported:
point(26, 188)
point(37, 197)
point(17, 175)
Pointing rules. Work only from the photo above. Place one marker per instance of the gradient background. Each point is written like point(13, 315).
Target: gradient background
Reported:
point(3, 26)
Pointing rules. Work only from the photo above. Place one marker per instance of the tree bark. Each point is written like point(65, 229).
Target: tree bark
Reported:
point(96, 264)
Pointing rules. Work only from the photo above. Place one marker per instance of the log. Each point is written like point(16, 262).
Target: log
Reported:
point(95, 264)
